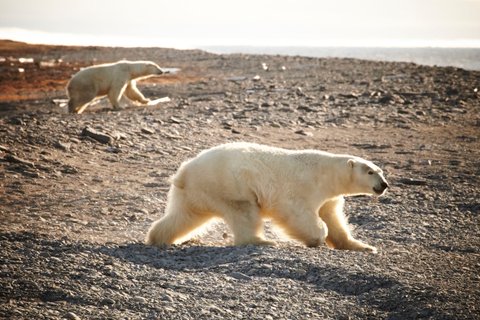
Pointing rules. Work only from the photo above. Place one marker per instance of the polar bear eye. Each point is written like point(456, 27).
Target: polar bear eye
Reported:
point(370, 172)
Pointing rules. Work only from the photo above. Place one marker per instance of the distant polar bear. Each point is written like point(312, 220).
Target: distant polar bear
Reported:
point(243, 183)
point(111, 80)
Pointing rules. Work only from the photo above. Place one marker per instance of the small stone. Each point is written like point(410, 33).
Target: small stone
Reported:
point(239, 276)
point(71, 316)
point(304, 133)
point(139, 299)
point(305, 108)
point(351, 95)
point(166, 298)
point(299, 92)
point(14, 159)
point(148, 130)
point(413, 182)
point(108, 301)
point(113, 150)
point(31, 174)
point(152, 185)
point(237, 79)
point(62, 145)
point(17, 121)
point(385, 99)
point(175, 120)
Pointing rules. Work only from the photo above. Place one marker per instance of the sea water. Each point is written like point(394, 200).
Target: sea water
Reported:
point(466, 58)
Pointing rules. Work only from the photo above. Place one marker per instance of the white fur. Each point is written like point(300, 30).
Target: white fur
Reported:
point(112, 80)
point(244, 183)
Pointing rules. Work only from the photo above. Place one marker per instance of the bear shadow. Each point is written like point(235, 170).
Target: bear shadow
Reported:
point(400, 299)
point(258, 262)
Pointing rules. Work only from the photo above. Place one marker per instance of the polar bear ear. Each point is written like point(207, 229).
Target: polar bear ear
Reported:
point(351, 163)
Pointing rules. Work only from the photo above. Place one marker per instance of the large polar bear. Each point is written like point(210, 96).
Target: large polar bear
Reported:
point(112, 80)
point(300, 191)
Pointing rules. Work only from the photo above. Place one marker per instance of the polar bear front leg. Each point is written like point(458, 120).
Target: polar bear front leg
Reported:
point(339, 236)
point(134, 94)
point(115, 94)
point(301, 223)
point(243, 218)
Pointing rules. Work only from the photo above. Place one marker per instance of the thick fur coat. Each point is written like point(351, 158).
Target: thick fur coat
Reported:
point(243, 183)
point(112, 80)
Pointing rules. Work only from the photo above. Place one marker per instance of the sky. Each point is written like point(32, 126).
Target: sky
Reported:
point(199, 23)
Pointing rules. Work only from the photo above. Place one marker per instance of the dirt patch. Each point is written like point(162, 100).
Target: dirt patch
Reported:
point(75, 210)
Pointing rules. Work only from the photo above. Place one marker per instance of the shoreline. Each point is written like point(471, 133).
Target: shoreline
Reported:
point(464, 57)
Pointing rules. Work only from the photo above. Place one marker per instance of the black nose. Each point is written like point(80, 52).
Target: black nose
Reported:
point(384, 185)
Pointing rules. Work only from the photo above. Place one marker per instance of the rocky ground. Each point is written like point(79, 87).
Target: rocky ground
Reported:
point(78, 192)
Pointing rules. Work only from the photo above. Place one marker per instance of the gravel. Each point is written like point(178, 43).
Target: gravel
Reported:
point(78, 192)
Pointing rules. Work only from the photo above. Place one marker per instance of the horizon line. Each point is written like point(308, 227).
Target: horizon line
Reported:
point(77, 39)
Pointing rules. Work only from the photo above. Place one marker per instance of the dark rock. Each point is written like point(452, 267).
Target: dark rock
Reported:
point(107, 301)
point(175, 120)
point(153, 185)
point(306, 108)
point(71, 316)
point(412, 182)
point(304, 133)
point(97, 136)
point(237, 79)
point(452, 91)
point(240, 276)
point(17, 121)
point(371, 146)
point(62, 145)
point(113, 150)
point(387, 98)
point(351, 95)
point(299, 92)
point(67, 169)
point(14, 159)
point(148, 130)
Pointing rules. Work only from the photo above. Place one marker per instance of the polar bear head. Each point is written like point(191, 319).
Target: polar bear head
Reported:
point(153, 68)
point(142, 69)
point(366, 178)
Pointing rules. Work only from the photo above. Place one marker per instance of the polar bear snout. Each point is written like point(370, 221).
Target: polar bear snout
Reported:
point(157, 70)
point(380, 188)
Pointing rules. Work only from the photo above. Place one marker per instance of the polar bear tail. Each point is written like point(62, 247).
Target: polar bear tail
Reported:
point(178, 180)
point(178, 224)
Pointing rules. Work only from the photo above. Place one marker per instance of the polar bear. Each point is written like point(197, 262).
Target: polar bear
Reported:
point(244, 183)
point(111, 80)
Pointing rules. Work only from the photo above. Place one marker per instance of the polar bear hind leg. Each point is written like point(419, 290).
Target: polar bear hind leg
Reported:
point(178, 224)
point(80, 98)
point(339, 236)
point(244, 220)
